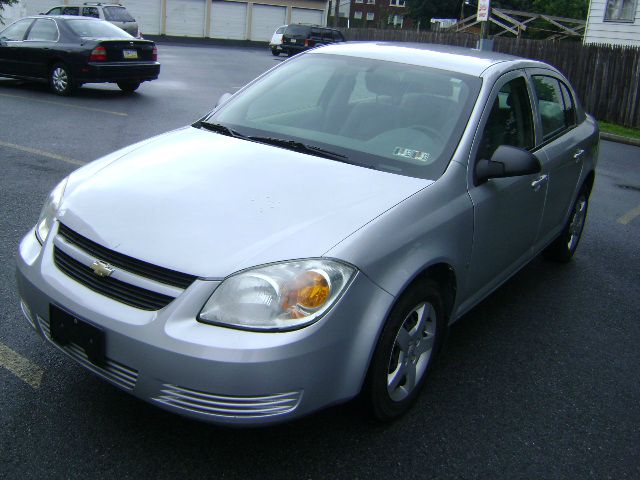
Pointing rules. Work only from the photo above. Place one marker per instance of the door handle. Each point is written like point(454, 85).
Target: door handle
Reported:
point(578, 155)
point(540, 182)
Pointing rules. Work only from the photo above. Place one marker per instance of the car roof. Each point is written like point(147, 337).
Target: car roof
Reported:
point(456, 59)
point(89, 4)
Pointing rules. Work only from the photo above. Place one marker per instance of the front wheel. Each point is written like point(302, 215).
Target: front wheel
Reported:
point(563, 247)
point(128, 87)
point(61, 80)
point(406, 348)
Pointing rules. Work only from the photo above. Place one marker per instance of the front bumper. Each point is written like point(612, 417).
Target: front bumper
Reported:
point(95, 72)
point(216, 374)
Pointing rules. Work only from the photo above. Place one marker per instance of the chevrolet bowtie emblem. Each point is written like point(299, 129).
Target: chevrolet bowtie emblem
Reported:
point(101, 269)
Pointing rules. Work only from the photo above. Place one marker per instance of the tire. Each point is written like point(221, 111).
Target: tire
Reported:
point(275, 52)
point(128, 87)
point(61, 81)
point(410, 339)
point(563, 247)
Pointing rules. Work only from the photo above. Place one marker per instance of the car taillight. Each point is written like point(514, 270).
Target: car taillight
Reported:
point(98, 54)
point(154, 54)
point(306, 42)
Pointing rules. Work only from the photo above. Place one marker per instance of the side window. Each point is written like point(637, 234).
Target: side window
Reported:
point(55, 11)
point(71, 11)
point(569, 106)
point(550, 104)
point(316, 34)
point(16, 31)
point(510, 121)
point(280, 31)
point(43, 30)
point(90, 12)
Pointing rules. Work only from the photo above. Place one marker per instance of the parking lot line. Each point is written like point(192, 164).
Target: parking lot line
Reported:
point(42, 153)
point(628, 217)
point(68, 105)
point(22, 368)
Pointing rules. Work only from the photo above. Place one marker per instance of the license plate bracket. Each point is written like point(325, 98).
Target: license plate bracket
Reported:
point(67, 328)
point(130, 54)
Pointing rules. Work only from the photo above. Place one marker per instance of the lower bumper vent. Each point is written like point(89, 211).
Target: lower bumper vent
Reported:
point(230, 407)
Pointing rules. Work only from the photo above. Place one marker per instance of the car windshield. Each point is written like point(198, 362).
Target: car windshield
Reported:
point(96, 29)
point(394, 117)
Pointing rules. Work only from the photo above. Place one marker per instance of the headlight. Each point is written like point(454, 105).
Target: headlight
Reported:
point(283, 296)
point(49, 211)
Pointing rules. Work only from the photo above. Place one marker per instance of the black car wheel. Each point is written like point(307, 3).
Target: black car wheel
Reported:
point(60, 80)
point(563, 247)
point(275, 52)
point(405, 350)
point(128, 87)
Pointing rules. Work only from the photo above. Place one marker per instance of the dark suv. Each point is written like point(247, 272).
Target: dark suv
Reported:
point(297, 38)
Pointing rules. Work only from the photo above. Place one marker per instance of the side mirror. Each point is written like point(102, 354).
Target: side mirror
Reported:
point(223, 98)
point(507, 161)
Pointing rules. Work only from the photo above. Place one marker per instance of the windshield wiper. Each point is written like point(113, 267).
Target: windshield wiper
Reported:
point(223, 129)
point(300, 147)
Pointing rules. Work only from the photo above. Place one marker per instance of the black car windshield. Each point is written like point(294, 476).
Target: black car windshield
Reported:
point(96, 29)
point(394, 117)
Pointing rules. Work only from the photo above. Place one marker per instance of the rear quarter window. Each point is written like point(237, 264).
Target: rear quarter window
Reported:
point(117, 14)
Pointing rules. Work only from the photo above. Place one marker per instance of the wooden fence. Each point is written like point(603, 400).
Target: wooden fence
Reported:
point(605, 77)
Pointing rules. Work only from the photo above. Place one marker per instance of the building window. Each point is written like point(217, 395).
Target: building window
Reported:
point(370, 15)
point(620, 11)
point(396, 20)
point(357, 15)
point(397, 3)
point(371, 2)
point(359, 1)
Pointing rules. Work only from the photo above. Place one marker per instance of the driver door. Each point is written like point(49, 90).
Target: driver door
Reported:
point(507, 211)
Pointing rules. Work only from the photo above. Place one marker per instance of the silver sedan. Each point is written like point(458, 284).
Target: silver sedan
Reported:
point(315, 235)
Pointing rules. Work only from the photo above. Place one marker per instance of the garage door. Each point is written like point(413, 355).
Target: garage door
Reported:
point(307, 15)
point(264, 21)
point(34, 7)
point(147, 13)
point(229, 20)
point(185, 18)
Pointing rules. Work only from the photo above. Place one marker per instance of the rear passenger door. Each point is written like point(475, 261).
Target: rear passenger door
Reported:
point(37, 47)
point(563, 145)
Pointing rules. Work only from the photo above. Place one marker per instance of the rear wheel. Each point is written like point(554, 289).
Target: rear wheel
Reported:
point(275, 52)
point(563, 247)
point(61, 80)
point(408, 343)
point(128, 87)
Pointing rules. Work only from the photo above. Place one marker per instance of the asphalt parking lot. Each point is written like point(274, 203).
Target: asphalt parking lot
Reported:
point(538, 381)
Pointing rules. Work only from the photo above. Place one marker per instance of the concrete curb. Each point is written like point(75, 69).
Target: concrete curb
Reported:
point(620, 139)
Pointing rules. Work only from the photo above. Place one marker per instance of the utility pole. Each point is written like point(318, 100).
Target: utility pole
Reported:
point(484, 13)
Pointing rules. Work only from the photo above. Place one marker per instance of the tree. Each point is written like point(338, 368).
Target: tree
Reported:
point(6, 3)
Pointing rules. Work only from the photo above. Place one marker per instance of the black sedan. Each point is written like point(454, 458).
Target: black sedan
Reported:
point(69, 51)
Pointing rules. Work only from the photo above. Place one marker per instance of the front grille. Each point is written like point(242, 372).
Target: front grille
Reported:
point(110, 287)
point(225, 406)
point(130, 264)
point(117, 373)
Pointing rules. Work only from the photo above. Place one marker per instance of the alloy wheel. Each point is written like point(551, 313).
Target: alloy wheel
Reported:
point(578, 217)
point(411, 351)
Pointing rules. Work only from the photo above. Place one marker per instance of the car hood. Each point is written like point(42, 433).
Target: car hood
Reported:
point(209, 205)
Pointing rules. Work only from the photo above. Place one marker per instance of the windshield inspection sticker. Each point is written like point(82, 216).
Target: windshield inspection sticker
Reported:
point(412, 154)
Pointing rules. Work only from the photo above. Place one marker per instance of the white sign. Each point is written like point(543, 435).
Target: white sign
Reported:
point(483, 10)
